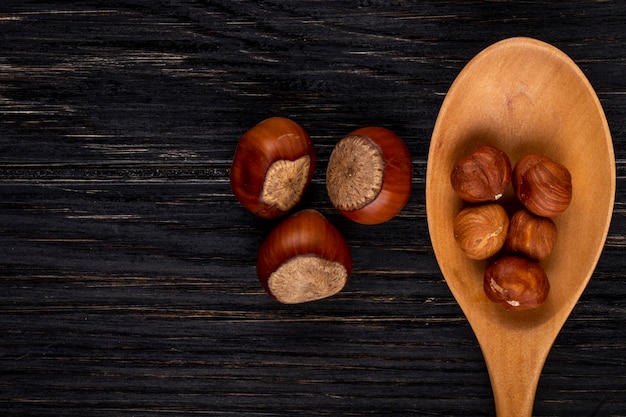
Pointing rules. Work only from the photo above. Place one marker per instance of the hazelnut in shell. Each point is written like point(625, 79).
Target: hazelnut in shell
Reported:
point(516, 283)
point(480, 231)
point(272, 167)
point(481, 176)
point(369, 175)
point(305, 258)
point(530, 235)
point(542, 185)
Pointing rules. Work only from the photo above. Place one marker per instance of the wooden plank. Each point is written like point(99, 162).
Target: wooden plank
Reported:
point(127, 266)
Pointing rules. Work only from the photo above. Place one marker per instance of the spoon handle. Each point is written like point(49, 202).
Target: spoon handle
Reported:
point(515, 363)
point(514, 395)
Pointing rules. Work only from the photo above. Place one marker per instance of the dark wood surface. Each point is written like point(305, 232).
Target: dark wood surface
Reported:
point(127, 272)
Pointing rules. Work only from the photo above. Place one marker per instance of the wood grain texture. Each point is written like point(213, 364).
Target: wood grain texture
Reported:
point(127, 266)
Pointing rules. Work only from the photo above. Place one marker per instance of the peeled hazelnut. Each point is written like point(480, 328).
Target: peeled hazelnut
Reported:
point(305, 258)
point(542, 185)
point(272, 167)
point(481, 230)
point(482, 175)
point(530, 235)
point(369, 175)
point(516, 283)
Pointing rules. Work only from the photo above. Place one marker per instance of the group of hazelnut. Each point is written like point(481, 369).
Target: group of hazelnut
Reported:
point(368, 180)
point(515, 248)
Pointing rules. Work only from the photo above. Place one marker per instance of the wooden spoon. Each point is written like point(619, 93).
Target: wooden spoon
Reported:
point(523, 96)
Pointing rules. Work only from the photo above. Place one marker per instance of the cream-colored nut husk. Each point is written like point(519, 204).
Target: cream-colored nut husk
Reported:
point(354, 176)
point(307, 278)
point(285, 182)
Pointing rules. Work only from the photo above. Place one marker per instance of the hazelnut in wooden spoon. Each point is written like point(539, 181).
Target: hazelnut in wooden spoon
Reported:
point(530, 235)
point(369, 175)
point(543, 185)
point(482, 176)
point(481, 231)
point(516, 283)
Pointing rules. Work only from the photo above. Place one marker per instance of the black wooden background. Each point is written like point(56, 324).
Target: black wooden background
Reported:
point(127, 267)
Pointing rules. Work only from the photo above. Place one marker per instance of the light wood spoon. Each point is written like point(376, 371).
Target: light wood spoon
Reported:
point(523, 96)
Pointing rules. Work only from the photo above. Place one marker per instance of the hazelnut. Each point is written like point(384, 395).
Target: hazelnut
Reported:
point(530, 235)
point(482, 175)
point(481, 230)
point(305, 258)
point(516, 283)
point(272, 167)
point(542, 185)
point(369, 175)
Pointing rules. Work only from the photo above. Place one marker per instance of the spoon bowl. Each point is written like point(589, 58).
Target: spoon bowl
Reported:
point(522, 96)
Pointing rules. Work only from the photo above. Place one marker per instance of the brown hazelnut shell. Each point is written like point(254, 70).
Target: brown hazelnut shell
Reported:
point(542, 185)
point(480, 231)
point(481, 176)
point(530, 235)
point(306, 235)
point(387, 198)
point(516, 283)
point(272, 140)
